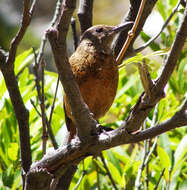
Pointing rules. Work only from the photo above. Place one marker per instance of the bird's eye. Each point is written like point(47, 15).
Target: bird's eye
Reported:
point(99, 30)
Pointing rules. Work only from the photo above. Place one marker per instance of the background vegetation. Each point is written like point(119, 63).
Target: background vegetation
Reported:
point(167, 163)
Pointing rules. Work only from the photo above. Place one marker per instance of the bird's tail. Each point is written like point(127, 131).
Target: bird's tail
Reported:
point(70, 126)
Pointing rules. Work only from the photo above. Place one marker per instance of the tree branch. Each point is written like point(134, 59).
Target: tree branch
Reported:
point(44, 38)
point(42, 107)
point(174, 53)
point(27, 15)
point(140, 111)
point(76, 151)
point(85, 14)
point(161, 30)
point(108, 172)
point(131, 16)
point(131, 33)
point(7, 68)
point(57, 39)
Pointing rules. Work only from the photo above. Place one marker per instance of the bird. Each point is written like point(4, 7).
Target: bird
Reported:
point(96, 71)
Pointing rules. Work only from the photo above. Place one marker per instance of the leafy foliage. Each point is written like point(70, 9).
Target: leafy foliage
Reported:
point(124, 161)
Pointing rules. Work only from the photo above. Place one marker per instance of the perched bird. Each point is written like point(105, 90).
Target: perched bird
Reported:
point(96, 71)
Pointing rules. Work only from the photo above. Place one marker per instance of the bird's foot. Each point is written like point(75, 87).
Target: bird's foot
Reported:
point(103, 129)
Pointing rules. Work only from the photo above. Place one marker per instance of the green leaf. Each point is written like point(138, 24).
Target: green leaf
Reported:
point(164, 142)
point(172, 3)
point(181, 151)
point(114, 160)
point(100, 166)
point(23, 60)
point(164, 160)
point(139, 57)
point(13, 151)
point(2, 87)
point(16, 183)
point(8, 177)
point(51, 74)
point(181, 76)
point(183, 185)
point(162, 8)
point(114, 172)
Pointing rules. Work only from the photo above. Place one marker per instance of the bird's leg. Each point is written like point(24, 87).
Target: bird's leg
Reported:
point(103, 129)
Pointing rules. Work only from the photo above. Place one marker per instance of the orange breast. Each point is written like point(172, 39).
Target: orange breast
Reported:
point(97, 77)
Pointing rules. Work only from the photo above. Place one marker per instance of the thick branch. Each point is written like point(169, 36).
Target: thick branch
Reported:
point(22, 116)
point(85, 14)
point(7, 68)
point(77, 151)
point(145, 103)
point(57, 38)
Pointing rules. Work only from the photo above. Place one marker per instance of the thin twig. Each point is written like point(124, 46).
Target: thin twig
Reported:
point(161, 30)
point(37, 82)
point(141, 168)
point(169, 180)
point(51, 135)
point(80, 179)
point(173, 55)
point(157, 92)
point(34, 106)
point(183, 3)
point(147, 153)
point(53, 22)
point(162, 173)
point(131, 16)
point(42, 105)
point(54, 99)
point(184, 105)
point(98, 178)
point(36, 74)
point(41, 98)
point(147, 177)
point(38, 60)
point(50, 132)
point(153, 122)
point(147, 148)
point(108, 172)
point(26, 19)
point(151, 151)
point(55, 145)
point(155, 114)
point(131, 33)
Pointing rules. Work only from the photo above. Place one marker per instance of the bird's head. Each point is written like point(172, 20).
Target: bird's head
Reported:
point(103, 35)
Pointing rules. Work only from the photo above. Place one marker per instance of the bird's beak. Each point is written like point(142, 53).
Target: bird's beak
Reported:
point(121, 27)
